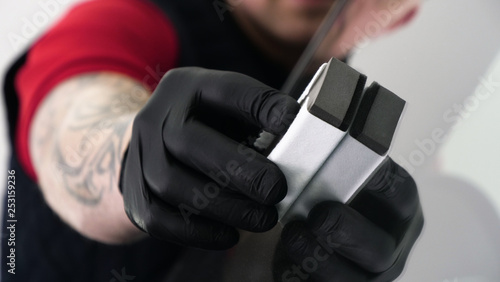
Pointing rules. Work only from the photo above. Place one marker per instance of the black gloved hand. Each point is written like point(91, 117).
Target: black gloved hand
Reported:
point(185, 177)
point(368, 240)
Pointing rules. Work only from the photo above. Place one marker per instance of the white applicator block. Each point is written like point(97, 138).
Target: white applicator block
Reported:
point(357, 156)
point(328, 107)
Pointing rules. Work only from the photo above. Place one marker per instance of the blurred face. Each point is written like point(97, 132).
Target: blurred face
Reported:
point(293, 22)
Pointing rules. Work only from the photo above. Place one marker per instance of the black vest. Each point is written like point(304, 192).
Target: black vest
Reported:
point(48, 250)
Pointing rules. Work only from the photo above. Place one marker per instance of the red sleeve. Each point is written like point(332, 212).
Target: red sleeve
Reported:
point(130, 37)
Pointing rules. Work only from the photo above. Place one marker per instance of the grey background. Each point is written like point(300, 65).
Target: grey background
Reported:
point(434, 63)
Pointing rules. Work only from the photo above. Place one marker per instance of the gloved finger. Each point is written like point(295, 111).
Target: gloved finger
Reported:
point(313, 259)
point(181, 184)
point(211, 153)
point(183, 226)
point(390, 198)
point(406, 239)
point(250, 99)
point(236, 94)
point(177, 224)
point(354, 237)
point(234, 128)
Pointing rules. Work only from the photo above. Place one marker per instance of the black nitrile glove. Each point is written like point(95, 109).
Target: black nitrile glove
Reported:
point(185, 177)
point(368, 240)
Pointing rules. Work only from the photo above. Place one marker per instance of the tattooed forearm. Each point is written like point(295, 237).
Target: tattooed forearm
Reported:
point(77, 139)
point(96, 125)
point(87, 172)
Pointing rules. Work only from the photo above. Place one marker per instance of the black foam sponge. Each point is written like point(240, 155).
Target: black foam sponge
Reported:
point(334, 98)
point(377, 118)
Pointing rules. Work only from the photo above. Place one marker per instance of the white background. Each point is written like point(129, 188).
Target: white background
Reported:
point(433, 64)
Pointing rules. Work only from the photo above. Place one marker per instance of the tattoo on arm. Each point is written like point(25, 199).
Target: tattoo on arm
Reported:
point(87, 148)
point(86, 175)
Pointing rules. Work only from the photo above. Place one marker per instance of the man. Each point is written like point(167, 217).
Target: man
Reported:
point(99, 164)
